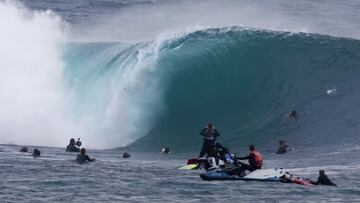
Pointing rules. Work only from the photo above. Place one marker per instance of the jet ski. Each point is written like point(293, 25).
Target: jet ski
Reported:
point(266, 175)
point(207, 163)
point(269, 175)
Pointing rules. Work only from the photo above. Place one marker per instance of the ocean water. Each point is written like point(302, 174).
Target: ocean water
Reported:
point(138, 75)
point(154, 177)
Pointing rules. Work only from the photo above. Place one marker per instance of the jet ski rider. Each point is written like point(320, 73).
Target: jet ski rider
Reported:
point(255, 159)
point(224, 154)
point(209, 134)
point(255, 162)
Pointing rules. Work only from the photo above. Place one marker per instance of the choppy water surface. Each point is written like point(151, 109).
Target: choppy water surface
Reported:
point(154, 177)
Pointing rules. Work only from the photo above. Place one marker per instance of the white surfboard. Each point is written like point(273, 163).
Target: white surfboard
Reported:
point(266, 174)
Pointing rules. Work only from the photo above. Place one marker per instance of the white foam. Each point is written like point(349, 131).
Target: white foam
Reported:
point(331, 91)
point(38, 108)
point(33, 105)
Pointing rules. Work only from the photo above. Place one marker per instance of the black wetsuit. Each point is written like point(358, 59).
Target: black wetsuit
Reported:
point(72, 148)
point(78, 143)
point(252, 162)
point(82, 158)
point(36, 153)
point(221, 150)
point(243, 167)
point(292, 114)
point(324, 180)
point(208, 146)
point(282, 149)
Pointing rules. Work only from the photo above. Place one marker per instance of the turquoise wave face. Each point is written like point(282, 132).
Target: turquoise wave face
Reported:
point(243, 81)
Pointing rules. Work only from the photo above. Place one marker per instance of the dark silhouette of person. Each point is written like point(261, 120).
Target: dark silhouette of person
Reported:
point(72, 146)
point(323, 179)
point(83, 157)
point(292, 115)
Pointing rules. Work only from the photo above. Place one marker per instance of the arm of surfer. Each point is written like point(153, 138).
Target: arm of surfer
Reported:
point(217, 134)
point(316, 182)
point(89, 159)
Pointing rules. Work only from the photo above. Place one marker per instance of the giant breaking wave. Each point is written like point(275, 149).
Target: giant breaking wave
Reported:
point(161, 92)
point(244, 81)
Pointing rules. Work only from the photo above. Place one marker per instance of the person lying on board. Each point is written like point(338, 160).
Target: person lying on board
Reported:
point(323, 179)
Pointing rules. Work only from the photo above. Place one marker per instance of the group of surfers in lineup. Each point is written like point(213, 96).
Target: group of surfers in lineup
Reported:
point(211, 148)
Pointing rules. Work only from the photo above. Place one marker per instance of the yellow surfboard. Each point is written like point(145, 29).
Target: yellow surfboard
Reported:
point(189, 167)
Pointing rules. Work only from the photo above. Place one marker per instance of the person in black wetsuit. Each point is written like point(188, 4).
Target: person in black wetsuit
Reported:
point(82, 157)
point(126, 155)
point(224, 154)
point(209, 134)
point(36, 153)
point(166, 150)
point(221, 150)
point(255, 162)
point(72, 146)
point(323, 179)
point(292, 115)
point(78, 142)
point(24, 149)
point(282, 148)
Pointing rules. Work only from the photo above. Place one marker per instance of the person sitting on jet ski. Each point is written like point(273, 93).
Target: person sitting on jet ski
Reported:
point(209, 134)
point(323, 179)
point(255, 162)
point(72, 146)
point(224, 154)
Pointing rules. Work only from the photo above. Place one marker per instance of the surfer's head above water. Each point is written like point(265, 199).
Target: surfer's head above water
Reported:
point(36, 153)
point(282, 148)
point(126, 155)
point(82, 151)
point(24, 149)
point(166, 150)
point(251, 147)
point(292, 114)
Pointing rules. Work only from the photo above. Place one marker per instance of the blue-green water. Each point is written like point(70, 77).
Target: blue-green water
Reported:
point(140, 75)
point(244, 81)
